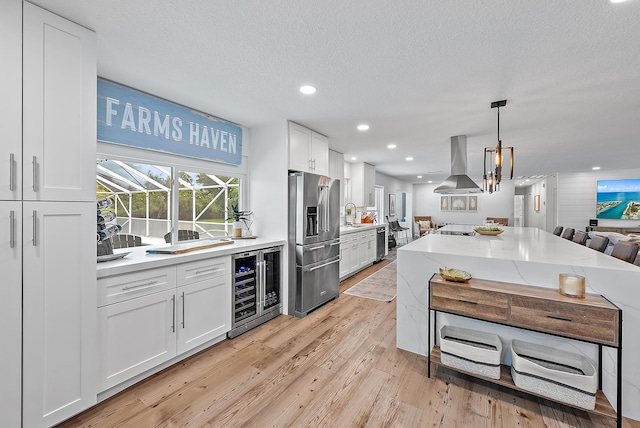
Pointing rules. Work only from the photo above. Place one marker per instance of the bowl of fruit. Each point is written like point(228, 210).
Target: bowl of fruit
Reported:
point(489, 230)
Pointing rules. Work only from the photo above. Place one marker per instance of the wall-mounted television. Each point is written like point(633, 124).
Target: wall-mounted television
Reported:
point(618, 199)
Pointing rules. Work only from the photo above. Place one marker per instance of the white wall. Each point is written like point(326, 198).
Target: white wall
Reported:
point(393, 185)
point(497, 204)
point(577, 198)
point(544, 218)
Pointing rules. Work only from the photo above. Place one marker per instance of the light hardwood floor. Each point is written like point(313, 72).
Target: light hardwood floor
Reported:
point(338, 367)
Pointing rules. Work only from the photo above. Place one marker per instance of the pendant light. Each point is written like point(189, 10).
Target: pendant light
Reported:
point(494, 159)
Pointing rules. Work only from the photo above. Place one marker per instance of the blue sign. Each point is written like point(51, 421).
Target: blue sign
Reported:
point(133, 118)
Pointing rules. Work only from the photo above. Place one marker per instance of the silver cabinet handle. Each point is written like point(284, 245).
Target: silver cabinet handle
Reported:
point(12, 184)
point(212, 270)
point(183, 309)
point(316, 248)
point(140, 286)
point(34, 162)
point(35, 228)
point(173, 313)
point(12, 231)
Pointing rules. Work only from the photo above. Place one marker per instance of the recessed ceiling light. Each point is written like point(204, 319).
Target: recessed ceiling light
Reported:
point(391, 146)
point(308, 89)
point(527, 180)
point(409, 158)
point(363, 127)
point(353, 158)
point(430, 181)
point(595, 168)
point(617, 1)
point(419, 176)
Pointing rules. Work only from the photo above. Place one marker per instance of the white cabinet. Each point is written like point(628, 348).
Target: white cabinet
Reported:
point(345, 255)
point(357, 251)
point(204, 303)
point(59, 310)
point(152, 316)
point(308, 150)
point(363, 184)
point(11, 313)
point(59, 107)
point(58, 112)
point(136, 335)
point(11, 96)
point(336, 165)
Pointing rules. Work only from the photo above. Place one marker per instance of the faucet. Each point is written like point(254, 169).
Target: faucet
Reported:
point(347, 214)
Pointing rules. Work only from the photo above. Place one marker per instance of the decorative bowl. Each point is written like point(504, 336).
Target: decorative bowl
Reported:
point(491, 231)
point(455, 275)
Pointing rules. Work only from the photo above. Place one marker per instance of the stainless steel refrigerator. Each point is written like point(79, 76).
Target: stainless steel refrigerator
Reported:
point(314, 241)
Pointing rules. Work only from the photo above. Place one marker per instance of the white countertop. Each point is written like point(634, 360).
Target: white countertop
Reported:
point(515, 243)
point(139, 259)
point(360, 227)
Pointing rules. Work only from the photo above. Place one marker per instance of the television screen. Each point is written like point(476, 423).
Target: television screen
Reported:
point(618, 199)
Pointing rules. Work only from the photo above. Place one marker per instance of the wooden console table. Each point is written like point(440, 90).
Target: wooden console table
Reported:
point(593, 319)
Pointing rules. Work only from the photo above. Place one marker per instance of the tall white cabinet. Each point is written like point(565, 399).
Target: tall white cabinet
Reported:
point(363, 184)
point(47, 216)
point(11, 211)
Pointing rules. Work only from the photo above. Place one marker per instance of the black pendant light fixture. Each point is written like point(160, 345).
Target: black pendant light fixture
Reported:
point(494, 159)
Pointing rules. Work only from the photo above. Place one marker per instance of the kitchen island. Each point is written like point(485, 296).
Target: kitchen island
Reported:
point(521, 256)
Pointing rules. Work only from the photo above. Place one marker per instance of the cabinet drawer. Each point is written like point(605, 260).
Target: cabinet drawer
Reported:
point(119, 288)
point(189, 273)
point(473, 303)
point(594, 324)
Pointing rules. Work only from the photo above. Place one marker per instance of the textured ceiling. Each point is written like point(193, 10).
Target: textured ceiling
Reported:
point(417, 71)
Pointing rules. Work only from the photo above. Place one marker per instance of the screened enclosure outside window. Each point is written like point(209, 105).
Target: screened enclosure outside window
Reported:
point(145, 195)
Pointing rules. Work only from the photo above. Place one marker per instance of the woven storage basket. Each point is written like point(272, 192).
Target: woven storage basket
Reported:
point(560, 375)
point(471, 350)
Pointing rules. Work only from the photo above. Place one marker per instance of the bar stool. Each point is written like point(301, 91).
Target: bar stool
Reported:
point(580, 237)
point(558, 230)
point(626, 251)
point(599, 243)
point(568, 233)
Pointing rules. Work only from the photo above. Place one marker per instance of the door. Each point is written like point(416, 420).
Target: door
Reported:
point(204, 312)
point(11, 313)
point(319, 153)
point(345, 252)
point(135, 336)
point(317, 284)
point(59, 310)
point(59, 108)
point(11, 96)
point(271, 278)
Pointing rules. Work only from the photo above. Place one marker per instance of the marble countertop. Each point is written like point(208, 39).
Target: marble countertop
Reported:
point(518, 244)
point(139, 259)
point(360, 227)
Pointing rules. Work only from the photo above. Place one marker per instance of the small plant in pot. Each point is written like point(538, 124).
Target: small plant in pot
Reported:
point(238, 218)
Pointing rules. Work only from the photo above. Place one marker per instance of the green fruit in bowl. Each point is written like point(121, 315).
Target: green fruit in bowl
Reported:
point(489, 228)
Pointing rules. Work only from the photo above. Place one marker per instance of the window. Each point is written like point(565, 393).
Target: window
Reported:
point(146, 199)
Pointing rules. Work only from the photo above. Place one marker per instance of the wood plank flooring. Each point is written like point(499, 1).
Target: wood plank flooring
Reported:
point(338, 367)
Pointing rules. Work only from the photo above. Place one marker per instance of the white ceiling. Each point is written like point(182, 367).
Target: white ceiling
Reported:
point(417, 71)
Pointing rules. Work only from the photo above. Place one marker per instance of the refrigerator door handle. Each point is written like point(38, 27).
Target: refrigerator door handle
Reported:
point(324, 264)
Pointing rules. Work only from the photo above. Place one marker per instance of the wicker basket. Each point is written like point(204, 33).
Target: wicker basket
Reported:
point(560, 375)
point(472, 351)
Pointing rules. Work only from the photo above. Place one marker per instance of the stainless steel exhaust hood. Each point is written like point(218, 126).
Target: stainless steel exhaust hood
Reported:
point(458, 181)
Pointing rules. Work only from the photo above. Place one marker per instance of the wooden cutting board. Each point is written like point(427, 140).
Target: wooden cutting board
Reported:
point(186, 248)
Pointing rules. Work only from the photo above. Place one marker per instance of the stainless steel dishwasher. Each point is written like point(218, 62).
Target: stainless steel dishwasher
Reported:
point(381, 242)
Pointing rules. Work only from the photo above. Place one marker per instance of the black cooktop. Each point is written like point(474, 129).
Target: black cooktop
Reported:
point(455, 232)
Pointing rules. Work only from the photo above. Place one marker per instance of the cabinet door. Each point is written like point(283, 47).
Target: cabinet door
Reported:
point(371, 246)
point(11, 313)
point(11, 96)
point(59, 310)
point(204, 312)
point(299, 148)
point(370, 190)
point(59, 108)
point(136, 335)
point(354, 262)
point(363, 251)
point(345, 252)
point(319, 153)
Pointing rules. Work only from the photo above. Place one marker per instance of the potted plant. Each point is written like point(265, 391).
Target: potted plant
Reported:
point(238, 217)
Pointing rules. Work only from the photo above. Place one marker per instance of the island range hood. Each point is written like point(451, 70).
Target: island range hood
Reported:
point(458, 181)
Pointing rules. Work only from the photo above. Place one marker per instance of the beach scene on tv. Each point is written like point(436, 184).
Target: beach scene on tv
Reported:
point(618, 199)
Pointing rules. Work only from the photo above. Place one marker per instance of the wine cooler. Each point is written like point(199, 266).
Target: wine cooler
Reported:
point(257, 288)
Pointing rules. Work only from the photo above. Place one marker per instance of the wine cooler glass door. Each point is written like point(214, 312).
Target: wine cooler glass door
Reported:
point(272, 277)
